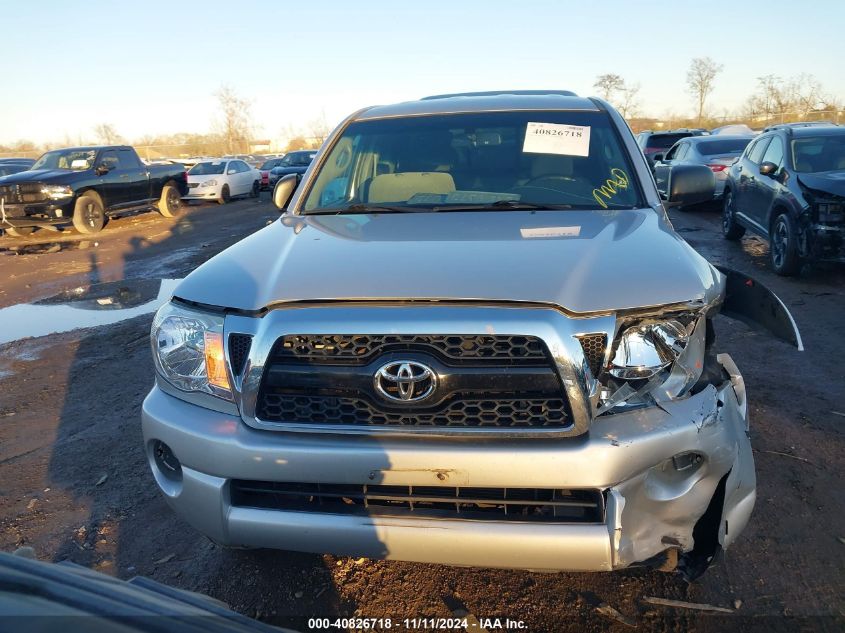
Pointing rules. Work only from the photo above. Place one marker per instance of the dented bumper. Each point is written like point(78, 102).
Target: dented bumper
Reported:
point(658, 467)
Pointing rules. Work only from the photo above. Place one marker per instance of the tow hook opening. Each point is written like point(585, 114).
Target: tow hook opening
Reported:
point(705, 535)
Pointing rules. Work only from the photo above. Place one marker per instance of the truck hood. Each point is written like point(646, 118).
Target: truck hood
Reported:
point(40, 175)
point(832, 182)
point(582, 261)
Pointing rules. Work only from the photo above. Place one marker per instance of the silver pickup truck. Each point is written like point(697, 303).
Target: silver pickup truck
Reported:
point(472, 338)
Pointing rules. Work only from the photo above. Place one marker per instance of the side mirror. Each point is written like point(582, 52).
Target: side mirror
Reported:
point(768, 169)
point(658, 157)
point(690, 184)
point(284, 190)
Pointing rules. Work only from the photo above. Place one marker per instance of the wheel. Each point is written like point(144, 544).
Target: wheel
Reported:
point(18, 231)
point(730, 229)
point(171, 201)
point(225, 196)
point(88, 214)
point(256, 187)
point(783, 246)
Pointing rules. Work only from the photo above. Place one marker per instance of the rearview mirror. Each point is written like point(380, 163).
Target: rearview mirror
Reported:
point(690, 184)
point(284, 190)
point(767, 168)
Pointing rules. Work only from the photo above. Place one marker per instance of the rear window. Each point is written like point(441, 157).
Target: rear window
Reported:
point(732, 146)
point(664, 141)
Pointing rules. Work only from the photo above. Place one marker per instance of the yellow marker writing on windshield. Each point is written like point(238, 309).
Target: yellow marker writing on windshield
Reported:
point(618, 180)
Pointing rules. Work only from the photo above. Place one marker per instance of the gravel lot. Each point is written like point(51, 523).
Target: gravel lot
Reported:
point(74, 483)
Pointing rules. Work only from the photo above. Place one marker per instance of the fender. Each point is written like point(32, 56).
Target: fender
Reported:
point(749, 301)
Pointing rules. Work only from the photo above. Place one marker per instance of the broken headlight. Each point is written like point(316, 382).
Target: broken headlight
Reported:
point(188, 350)
point(654, 360)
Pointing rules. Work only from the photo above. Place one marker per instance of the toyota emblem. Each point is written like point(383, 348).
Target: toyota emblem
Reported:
point(405, 381)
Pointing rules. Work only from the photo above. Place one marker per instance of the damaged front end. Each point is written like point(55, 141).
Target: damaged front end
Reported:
point(688, 404)
point(822, 225)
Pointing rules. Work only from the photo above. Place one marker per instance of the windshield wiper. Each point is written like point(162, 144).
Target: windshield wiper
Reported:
point(359, 207)
point(503, 205)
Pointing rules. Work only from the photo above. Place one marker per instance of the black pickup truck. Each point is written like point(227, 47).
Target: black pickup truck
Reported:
point(84, 185)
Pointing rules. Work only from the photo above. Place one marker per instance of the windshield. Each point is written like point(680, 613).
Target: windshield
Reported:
point(819, 153)
point(297, 159)
point(509, 159)
point(730, 146)
point(207, 169)
point(75, 159)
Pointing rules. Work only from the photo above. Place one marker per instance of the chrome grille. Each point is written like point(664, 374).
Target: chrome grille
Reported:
point(483, 382)
point(359, 348)
point(462, 411)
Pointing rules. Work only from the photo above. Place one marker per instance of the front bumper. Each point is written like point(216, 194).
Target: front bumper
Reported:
point(203, 193)
point(651, 506)
point(36, 213)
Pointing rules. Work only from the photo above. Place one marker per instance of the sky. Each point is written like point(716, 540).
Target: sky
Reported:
point(152, 67)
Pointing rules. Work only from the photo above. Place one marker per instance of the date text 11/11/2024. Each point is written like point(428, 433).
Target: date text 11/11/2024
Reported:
point(431, 624)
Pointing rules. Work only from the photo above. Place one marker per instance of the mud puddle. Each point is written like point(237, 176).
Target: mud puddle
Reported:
point(84, 307)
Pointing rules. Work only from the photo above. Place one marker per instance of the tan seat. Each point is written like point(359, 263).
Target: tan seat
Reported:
point(401, 187)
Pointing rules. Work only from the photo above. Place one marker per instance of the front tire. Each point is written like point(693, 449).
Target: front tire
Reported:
point(88, 214)
point(783, 246)
point(225, 195)
point(171, 201)
point(730, 229)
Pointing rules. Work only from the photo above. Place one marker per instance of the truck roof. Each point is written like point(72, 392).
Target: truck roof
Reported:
point(481, 102)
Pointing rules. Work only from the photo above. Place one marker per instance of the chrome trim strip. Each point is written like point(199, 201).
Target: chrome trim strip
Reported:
point(558, 331)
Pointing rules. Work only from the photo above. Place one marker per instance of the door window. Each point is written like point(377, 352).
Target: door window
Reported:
point(109, 159)
point(683, 148)
point(127, 159)
point(756, 151)
point(774, 153)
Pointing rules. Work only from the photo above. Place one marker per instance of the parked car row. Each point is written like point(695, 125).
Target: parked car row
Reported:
point(786, 185)
point(83, 186)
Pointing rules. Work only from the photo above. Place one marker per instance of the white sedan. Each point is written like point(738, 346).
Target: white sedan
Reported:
point(221, 180)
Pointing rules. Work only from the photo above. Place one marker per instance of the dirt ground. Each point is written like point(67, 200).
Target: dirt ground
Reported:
point(74, 483)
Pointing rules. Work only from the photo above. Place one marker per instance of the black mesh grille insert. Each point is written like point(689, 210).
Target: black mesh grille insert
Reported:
point(484, 504)
point(360, 348)
point(594, 346)
point(462, 411)
point(239, 345)
point(481, 382)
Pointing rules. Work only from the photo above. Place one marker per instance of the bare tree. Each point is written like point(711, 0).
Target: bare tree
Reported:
point(700, 78)
point(628, 103)
point(107, 135)
point(319, 129)
point(607, 84)
point(236, 124)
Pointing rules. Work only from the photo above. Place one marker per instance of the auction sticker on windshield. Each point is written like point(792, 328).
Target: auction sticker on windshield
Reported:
point(557, 138)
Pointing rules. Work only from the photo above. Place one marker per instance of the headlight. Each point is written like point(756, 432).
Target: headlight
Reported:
point(209, 183)
point(188, 350)
point(654, 360)
point(645, 350)
point(56, 192)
